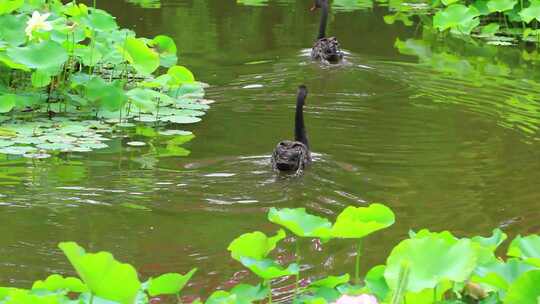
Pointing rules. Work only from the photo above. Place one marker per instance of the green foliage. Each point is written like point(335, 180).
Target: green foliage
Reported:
point(104, 276)
point(299, 222)
point(526, 248)
point(254, 245)
point(75, 60)
point(358, 222)
point(169, 284)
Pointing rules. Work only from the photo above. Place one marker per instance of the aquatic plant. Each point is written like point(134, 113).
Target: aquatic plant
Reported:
point(73, 64)
point(428, 267)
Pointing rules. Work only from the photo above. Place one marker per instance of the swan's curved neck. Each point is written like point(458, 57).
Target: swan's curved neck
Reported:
point(324, 18)
point(299, 127)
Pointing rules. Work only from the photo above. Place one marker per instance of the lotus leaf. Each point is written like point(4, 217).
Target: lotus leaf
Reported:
point(525, 290)
point(456, 16)
point(7, 102)
point(432, 259)
point(57, 282)
point(254, 245)
point(169, 284)
point(501, 274)
point(532, 12)
point(247, 294)
point(100, 20)
point(376, 283)
point(299, 222)
point(11, 27)
point(181, 119)
point(141, 57)
point(108, 95)
point(222, 297)
point(166, 48)
point(104, 276)
point(47, 56)
point(268, 269)
point(180, 75)
point(358, 222)
point(331, 281)
point(8, 6)
point(40, 79)
point(501, 5)
point(526, 248)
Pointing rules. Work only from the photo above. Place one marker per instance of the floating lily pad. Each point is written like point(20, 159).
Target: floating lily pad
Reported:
point(136, 144)
point(6, 143)
point(17, 150)
point(175, 132)
point(37, 155)
point(181, 119)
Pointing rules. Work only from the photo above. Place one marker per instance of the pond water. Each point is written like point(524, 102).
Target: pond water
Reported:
point(444, 132)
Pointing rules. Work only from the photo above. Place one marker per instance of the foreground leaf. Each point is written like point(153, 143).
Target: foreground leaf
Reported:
point(299, 222)
point(525, 290)
point(432, 259)
point(254, 245)
point(526, 248)
point(268, 269)
point(169, 284)
point(104, 276)
point(358, 222)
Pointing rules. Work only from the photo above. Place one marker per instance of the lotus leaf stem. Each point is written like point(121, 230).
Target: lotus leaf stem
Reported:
point(357, 268)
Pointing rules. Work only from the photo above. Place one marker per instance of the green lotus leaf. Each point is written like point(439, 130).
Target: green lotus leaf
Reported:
point(525, 290)
point(104, 276)
point(222, 297)
point(299, 222)
point(11, 29)
point(6, 143)
point(8, 6)
point(376, 283)
point(492, 242)
point(501, 274)
point(17, 150)
point(100, 20)
point(331, 281)
point(532, 12)
point(455, 16)
point(56, 282)
point(75, 10)
point(501, 5)
point(358, 222)
point(166, 48)
point(449, 2)
point(526, 248)
point(247, 294)
point(490, 29)
point(351, 5)
point(254, 245)
point(21, 296)
point(180, 75)
point(432, 259)
point(140, 56)
point(107, 95)
point(180, 119)
point(169, 284)
point(40, 79)
point(7, 102)
point(48, 56)
point(12, 64)
point(268, 269)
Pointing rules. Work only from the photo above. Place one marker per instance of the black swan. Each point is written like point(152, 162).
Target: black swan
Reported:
point(325, 49)
point(294, 155)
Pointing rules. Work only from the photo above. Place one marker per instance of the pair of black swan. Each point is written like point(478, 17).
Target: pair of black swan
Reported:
point(293, 156)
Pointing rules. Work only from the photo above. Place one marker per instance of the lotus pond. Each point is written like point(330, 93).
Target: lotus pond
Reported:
point(445, 132)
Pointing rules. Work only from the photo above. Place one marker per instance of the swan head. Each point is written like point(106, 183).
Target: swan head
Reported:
point(289, 154)
point(318, 4)
point(330, 50)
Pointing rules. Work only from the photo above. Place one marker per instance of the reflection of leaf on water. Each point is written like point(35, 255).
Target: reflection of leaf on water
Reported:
point(10, 173)
point(352, 5)
point(146, 3)
point(70, 172)
point(449, 73)
point(253, 2)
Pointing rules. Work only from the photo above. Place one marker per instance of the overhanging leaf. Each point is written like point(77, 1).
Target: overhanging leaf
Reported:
point(299, 222)
point(169, 284)
point(254, 245)
point(358, 222)
point(104, 276)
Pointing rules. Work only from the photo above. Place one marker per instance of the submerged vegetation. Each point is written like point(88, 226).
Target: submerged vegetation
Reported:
point(428, 267)
point(69, 76)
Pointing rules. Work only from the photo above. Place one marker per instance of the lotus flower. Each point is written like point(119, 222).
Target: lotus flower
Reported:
point(361, 299)
point(37, 22)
